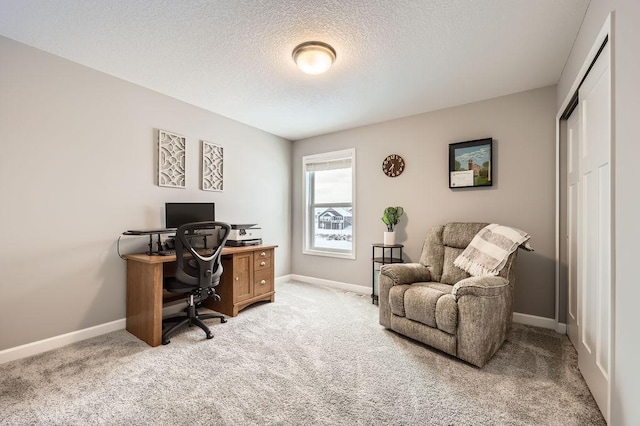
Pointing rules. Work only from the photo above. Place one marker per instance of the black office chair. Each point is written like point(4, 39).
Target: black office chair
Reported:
point(196, 276)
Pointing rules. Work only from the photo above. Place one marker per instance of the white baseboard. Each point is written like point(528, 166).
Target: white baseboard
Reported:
point(334, 284)
point(526, 319)
point(537, 321)
point(283, 279)
point(55, 342)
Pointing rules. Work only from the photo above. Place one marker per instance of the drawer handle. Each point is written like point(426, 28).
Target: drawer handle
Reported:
point(263, 282)
point(263, 254)
point(263, 263)
point(237, 278)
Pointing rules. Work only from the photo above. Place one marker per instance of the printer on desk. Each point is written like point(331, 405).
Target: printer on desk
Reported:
point(244, 235)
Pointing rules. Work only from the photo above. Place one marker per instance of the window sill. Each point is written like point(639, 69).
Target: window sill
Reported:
point(348, 256)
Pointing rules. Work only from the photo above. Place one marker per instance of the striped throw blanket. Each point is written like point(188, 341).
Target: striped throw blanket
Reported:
point(490, 248)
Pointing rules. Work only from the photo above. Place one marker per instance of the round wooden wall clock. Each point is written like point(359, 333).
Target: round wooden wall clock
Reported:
point(393, 165)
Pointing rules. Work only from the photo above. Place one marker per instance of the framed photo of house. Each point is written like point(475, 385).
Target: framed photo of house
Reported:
point(470, 163)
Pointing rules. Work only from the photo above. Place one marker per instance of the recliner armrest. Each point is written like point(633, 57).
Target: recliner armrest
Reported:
point(485, 286)
point(406, 273)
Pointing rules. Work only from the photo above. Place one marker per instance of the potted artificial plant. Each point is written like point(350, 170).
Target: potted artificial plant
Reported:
point(391, 217)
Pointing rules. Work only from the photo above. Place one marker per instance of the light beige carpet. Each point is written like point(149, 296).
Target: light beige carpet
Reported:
point(316, 356)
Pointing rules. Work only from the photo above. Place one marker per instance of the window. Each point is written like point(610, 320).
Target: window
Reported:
point(329, 182)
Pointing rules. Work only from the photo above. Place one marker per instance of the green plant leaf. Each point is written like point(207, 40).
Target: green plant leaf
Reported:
point(391, 217)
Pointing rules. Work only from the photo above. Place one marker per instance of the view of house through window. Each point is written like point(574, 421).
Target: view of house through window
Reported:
point(329, 218)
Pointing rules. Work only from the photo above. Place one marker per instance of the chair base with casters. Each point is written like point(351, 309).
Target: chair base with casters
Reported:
point(197, 273)
point(191, 318)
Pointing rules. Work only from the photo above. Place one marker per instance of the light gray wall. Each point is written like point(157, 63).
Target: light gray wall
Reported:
point(625, 409)
point(522, 126)
point(77, 169)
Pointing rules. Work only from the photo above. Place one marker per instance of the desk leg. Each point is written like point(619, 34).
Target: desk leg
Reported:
point(144, 301)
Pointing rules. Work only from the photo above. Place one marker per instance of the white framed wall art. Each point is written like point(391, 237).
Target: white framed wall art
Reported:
point(212, 166)
point(171, 159)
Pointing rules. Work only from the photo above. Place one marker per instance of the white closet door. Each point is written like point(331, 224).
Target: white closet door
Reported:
point(573, 179)
point(594, 230)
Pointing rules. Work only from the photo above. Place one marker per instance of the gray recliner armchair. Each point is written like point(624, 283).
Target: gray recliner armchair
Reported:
point(439, 304)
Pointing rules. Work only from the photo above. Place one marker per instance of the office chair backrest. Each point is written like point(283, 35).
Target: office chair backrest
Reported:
point(199, 270)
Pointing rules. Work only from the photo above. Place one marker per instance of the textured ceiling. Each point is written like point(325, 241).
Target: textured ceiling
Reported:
point(394, 57)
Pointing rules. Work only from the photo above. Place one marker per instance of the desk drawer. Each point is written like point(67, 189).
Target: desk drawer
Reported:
point(262, 259)
point(263, 282)
point(263, 254)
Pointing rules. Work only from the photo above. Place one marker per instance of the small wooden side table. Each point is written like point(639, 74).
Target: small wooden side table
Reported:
point(385, 254)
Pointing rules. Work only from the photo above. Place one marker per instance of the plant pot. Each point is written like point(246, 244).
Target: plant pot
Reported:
point(389, 238)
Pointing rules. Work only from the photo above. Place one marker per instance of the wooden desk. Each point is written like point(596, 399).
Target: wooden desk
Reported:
point(247, 277)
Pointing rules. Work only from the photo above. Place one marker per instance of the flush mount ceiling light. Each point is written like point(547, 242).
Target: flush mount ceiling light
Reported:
point(314, 57)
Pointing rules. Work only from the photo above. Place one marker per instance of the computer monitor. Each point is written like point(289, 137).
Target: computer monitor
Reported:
point(177, 214)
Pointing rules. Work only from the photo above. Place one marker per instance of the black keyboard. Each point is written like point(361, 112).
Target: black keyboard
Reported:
point(150, 231)
point(167, 252)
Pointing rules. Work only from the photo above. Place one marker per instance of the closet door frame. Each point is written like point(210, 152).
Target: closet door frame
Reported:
point(605, 36)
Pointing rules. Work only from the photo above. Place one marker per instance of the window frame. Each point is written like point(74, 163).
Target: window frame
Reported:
point(309, 205)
